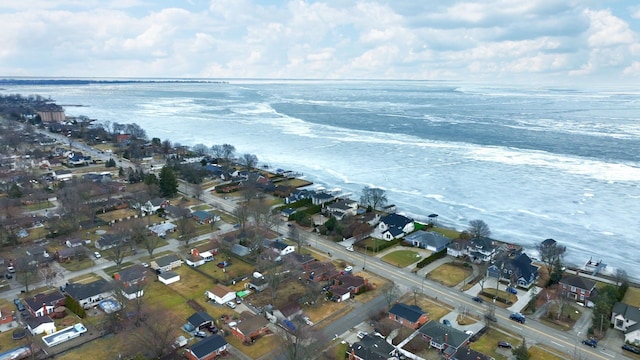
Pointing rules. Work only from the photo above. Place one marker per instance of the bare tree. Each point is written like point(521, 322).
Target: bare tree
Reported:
point(197, 191)
point(482, 269)
point(26, 271)
point(621, 277)
point(186, 227)
point(242, 213)
point(479, 229)
point(156, 335)
point(295, 236)
point(374, 197)
point(120, 247)
point(551, 255)
point(200, 149)
point(300, 343)
point(249, 161)
point(391, 293)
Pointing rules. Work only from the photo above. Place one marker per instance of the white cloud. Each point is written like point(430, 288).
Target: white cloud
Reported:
point(467, 39)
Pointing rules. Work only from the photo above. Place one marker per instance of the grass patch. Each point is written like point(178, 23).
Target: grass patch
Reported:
point(38, 206)
point(632, 297)
point(402, 258)
point(204, 207)
point(116, 215)
point(75, 265)
point(114, 269)
point(450, 274)
point(488, 343)
point(450, 233)
point(537, 352)
point(568, 317)
point(501, 294)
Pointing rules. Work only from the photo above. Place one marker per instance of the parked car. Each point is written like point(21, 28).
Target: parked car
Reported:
point(348, 268)
point(512, 290)
point(238, 300)
point(97, 255)
point(446, 322)
point(504, 344)
point(145, 264)
point(477, 299)
point(349, 248)
point(8, 276)
point(590, 342)
point(361, 334)
point(631, 348)
point(231, 304)
point(200, 334)
point(18, 303)
point(517, 317)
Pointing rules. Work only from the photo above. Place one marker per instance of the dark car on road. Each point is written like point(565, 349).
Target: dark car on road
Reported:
point(631, 348)
point(504, 344)
point(590, 342)
point(512, 290)
point(517, 317)
point(19, 305)
point(477, 299)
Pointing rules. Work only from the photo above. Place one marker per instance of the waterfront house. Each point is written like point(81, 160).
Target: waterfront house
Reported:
point(321, 197)
point(428, 240)
point(393, 226)
point(578, 288)
point(481, 249)
point(626, 318)
point(517, 270)
point(410, 316)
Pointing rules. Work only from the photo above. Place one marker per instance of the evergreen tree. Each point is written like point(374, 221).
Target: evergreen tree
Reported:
point(168, 182)
point(521, 352)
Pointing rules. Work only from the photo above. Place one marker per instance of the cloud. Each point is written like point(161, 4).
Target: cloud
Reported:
point(505, 40)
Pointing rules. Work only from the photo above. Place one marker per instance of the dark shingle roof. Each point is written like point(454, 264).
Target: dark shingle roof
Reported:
point(409, 312)
point(83, 291)
point(629, 312)
point(51, 298)
point(396, 220)
point(208, 346)
point(466, 353)
point(443, 334)
point(200, 318)
point(578, 281)
point(167, 260)
point(372, 348)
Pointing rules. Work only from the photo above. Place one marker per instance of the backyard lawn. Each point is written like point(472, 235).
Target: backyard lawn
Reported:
point(402, 258)
point(488, 344)
point(632, 297)
point(449, 274)
point(451, 234)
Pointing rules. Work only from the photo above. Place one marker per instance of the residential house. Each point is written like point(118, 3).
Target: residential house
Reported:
point(321, 271)
point(321, 197)
point(481, 249)
point(260, 283)
point(298, 260)
point(345, 285)
point(108, 241)
point(372, 347)
point(342, 208)
point(168, 277)
point(458, 248)
point(162, 229)
point(288, 311)
point(517, 270)
point(74, 242)
point(429, 240)
point(393, 226)
point(282, 248)
point(251, 328)
point(90, 294)
point(132, 275)
point(207, 349)
point(626, 318)
point(63, 175)
point(37, 251)
point(201, 254)
point(166, 263)
point(42, 304)
point(287, 212)
point(76, 158)
point(6, 316)
point(444, 338)
point(466, 353)
point(176, 211)
point(201, 320)
point(153, 205)
point(204, 217)
point(578, 288)
point(220, 294)
point(194, 260)
point(41, 325)
point(68, 254)
point(297, 195)
point(133, 292)
point(410, 316)
point(240, 250)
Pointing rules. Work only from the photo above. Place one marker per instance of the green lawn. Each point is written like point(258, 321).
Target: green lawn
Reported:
point(450, 233)
point(632, 296)
point(402, 258)
point(449, 274)
point(488, 343)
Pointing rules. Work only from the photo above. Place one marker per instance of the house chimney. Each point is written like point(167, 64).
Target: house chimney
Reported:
point(44, 309)
point(116, 276)
point(446, 338)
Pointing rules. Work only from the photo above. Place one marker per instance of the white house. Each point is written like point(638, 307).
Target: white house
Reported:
point(220, 294)
point(162, 229)
point(393, 226)
point(627, 319)
point(90, 294)
point(41, 325)
point(168, 277)
point(282, 248)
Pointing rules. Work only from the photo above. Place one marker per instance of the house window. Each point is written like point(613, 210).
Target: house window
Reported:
point(581, 297)
point(573, 289)
point(619, 323)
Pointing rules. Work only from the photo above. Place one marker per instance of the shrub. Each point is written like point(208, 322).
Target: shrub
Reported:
point(431, 258)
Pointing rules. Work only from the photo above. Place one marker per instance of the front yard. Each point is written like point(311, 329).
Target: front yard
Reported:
point(401, 258)
point(488, 344)
point(450, 274)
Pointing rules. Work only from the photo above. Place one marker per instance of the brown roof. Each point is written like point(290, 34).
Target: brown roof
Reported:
point(220, 290)
point(251, 324)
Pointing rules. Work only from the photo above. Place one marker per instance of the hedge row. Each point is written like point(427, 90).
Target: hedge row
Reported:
point(431, 258)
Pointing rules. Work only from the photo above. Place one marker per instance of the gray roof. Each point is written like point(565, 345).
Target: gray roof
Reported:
point(208, 346)
point(167, 260)
point(428, 238)
point(240, 250)
point(372, 348)
point(578, 281)
point(396, 220)
point(409, 312)
point(200, 318)
point(168, 275)
point(627, 311)
point(84, 291)
point(442, 334)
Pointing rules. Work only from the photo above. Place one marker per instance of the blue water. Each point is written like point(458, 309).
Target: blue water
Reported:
point(532, 163)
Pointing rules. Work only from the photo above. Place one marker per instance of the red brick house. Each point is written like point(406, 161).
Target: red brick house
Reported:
point(321, 271)
point(578, 288)
point(251, 328)
point(6, 316)
point(410, 316)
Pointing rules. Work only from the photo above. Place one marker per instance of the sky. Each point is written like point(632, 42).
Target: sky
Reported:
point(556, 41)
